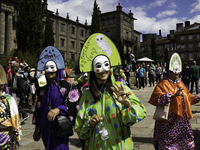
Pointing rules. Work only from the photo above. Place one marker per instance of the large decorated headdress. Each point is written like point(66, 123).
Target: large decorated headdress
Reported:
point(175, 64)
point(98, 44)
point(52, 55)
point(3, 79)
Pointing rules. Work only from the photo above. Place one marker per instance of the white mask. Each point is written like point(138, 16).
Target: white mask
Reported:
point(50, 67)
point(101, 64)
point(176, 69)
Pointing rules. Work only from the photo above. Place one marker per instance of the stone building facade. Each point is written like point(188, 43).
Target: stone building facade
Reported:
point(119, 26)
point(69, 35)
point(185, 41)
point(8, 12)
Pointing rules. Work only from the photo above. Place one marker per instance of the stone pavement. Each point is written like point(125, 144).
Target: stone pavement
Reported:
point(142, 132)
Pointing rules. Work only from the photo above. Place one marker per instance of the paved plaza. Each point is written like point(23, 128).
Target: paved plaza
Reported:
point(142, 132)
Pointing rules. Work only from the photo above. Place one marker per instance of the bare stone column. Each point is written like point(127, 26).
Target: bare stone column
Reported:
point(2, 31)
point(9, 34)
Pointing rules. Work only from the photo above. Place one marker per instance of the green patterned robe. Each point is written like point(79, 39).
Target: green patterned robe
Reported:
point(117, 120)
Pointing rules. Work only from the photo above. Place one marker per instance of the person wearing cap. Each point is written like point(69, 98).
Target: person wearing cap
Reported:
point(107, 101)
point(52, 98)
point(10, 128)
point(176, 132)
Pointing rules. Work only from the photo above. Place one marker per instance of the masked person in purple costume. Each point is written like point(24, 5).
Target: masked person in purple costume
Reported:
point(52, 100)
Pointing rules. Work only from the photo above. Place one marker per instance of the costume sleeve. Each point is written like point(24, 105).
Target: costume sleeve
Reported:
point(83, 131)
point(193, 98)
point(164, 99)
point(160, 97)
point(135, 113)
point(63, 109)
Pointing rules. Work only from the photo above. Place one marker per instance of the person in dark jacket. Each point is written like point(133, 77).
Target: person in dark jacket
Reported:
point(17, 90)
point(194, 77)
point(186, 74)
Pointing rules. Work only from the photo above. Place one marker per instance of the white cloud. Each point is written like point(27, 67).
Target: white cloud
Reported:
point(145, 24)
point(172, 5)
point(195, 6)
point(157, 3)
point(194, 19)
point(166, 13)
point(81, 8)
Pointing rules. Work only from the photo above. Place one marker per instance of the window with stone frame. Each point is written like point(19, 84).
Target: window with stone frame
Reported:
point(62, 27)
point(73, 30)
point(198, 36)
point(81, 45)
point(82, 32)
point(198, 54)
point(183, 55)
point(72, 57)
point(190, 37)
point(191, 56)
point(182, 37)
point(72, 45)
point(52, 23)
point(127, 35)
point(190, 45)
point(62, 42)
point(182, 45)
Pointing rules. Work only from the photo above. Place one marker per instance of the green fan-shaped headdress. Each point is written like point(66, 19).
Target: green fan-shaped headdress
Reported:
point(98, 44)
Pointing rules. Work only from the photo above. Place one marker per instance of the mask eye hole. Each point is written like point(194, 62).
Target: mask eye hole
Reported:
point(52, 67)
point(101, 38)
point(97, 39)
point(107, 64)
point(46, 68)
point(98, 66)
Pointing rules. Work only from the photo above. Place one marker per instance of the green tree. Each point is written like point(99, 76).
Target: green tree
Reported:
point(120, 47)
point(138, 52)
point(29, 26)
point(48, 33)
point(153, 49)
point(96, 22)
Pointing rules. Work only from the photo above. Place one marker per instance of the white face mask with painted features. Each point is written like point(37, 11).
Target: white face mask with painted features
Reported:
point(50, 67)
point(176, 69)
point(101, 64)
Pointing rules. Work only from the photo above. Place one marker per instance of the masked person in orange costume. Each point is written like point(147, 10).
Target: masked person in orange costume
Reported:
point(176, 132)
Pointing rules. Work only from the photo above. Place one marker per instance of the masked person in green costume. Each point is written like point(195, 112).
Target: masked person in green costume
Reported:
point(108, 102)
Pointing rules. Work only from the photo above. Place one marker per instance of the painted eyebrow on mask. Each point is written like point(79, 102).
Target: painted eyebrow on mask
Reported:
point(97, 64)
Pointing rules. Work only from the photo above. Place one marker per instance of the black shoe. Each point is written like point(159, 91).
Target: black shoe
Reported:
point(25, 117)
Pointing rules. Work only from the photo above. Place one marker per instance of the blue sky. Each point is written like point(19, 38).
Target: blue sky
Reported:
point(151, 15)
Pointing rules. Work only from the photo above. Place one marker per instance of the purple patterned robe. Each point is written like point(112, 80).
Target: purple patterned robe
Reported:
point(45, 126)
